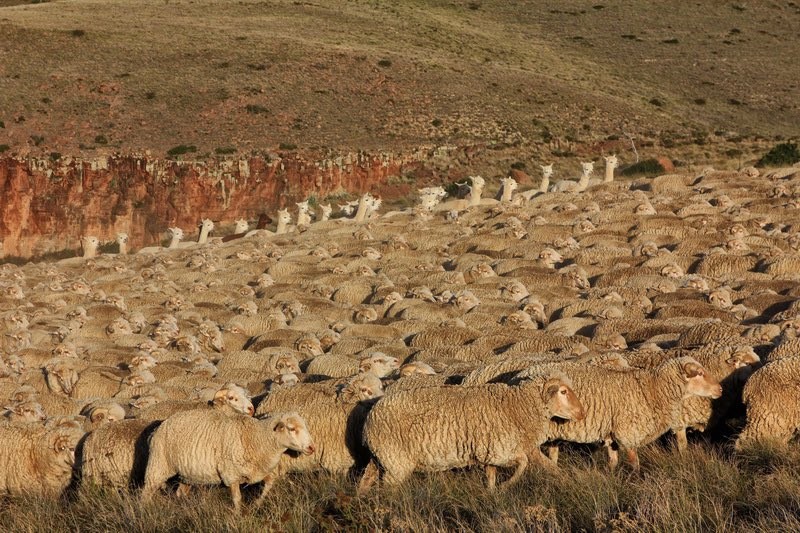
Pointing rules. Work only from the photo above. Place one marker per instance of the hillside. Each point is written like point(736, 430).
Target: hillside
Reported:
point(94, 76)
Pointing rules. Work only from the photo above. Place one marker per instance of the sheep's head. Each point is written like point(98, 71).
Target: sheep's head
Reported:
point(284, 217)
point(559, 399)
point(587, 168)
point(206, 225)
point(61, 442)
point(392, 298)
point(122, 239)
point(547, 170)
point(698, 381)
point(176, 233)
point(520, 319)
point(234, 397)
point(741, 357)
point(550, 257)
point(611, 161)
point(379, 364)
point(89, 245)
point(241, 226)
point(61, 376)
point(119, 326)
point(291, 432)
point(466, 301)
point(720, 298)
point(766, 333)
point(514, 291)
point(286, 380)
point(326, 211)
point(28, 411)
point(672, 270)
point(104, 412)
point(143, 361)
point(139, 378)
point(416, 368)
point(211, 336)
point(363, 387)
point(285, 364)
point(644, 208)
point(308, 345)
point(365, 314)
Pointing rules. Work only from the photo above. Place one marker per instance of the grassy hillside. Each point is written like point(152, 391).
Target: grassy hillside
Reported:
point(90, 75)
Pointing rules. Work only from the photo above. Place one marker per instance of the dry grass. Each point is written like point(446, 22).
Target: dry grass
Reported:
point(95, 75)
point(707, 490)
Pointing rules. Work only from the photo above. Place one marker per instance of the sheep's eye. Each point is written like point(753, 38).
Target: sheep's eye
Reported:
point(564, 392)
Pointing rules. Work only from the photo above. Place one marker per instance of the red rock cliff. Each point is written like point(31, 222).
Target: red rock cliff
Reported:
point(47, 206)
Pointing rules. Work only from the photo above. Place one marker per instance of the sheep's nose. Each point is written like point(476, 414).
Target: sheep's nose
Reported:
point(310, 449)
point(250, 410)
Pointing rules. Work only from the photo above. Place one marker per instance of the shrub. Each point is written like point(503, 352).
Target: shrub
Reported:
point(101, 139)
point(2, 124)
point(518, 165)
point(385, 63)
point(55, 156)
point(436, 122)
point(226, 150)
point(181, 149)
point(77, 33)
point(150, 95)
point(657, 102)
point(287, 146)
point(645, 166)
point(784, 154)
point(255, 109)
point(4, 148)
point(37, 139)
point(700, 101)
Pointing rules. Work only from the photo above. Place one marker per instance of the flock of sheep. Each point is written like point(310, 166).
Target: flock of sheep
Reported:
point(470, 332)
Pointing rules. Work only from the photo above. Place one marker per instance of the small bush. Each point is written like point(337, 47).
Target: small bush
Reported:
point(385, 63)
point(4, 148)
point(700, 101)
point(646, 166)
point(255, 109)
point(518, 165)
point(657, 102)
point(734, 101)
point(628, 36)
point(287, 146)
point(436, 122)
point(670, 41)
point(77, 33)
point(784, 154)
point(37, 139)
point(2, 124)
point(55, 156)
point(150, 95)
point(181, 149)
point(101, 139)
point(226, 150)
point(474, 6)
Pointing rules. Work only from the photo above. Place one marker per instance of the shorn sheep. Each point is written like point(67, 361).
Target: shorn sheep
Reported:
point(208, 447)
point(444, 427)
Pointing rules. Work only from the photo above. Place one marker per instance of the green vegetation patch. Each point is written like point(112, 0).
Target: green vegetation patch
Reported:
point(784, 154)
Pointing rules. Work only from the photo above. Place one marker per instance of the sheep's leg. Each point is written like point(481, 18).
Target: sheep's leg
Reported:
point(552, 453)
point(183, 490)
point(613, 455)
point(236, 496)
point(633, 458)
point(368, 478)
point(522, 464)
point(268, 482)
point(491, 477)
point(681, 440)
point(540, 459)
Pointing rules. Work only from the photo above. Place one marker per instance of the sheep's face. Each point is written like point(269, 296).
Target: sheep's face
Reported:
point(105, 415)
point(611, 161)
point(144, 361)
point(287, 380)
point(62, 441)
point(613, 342)
point(287, 364)
point(365, 315)
point(720, 298)
point(645, 208)
point(61, 377)
point(520, 319)
point(176, 233)
point(207, 225)
point(119, 326)
point(699, 382)
point(236, 398)
point(284, 217)
point(466, 301)
point(672, 271)
point(578, 280)
point(365, 270)
point(550, 257)
point(561, 401)
point(28, 411)
point(326, 211)
point(309, 346)
point(416, 367)
point(363, 387)
point(392, 298)
point(328, 338)
point(514, 291)
point(547, 170)
point(587, 168)
point(211, 336)
point(292, 433)
point(379, 364)
point(481, 270)
point(741, 358)
point(371, 253)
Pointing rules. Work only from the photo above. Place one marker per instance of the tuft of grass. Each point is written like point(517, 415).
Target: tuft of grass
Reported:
point(181, 149)
point(657, 102)
point(78, 33)
point(4, 148)
point(225, 150)
point(644, 167)
point(101, 139)
point(287, 146)
point(255, 109)
point(784, 154)
point(385, 63)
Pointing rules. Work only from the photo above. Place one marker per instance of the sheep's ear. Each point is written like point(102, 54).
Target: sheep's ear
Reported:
point(280, 426)
point(691, 370)
point(98, 415)
point(551, 388)
point(366, 366)
point(219, 396)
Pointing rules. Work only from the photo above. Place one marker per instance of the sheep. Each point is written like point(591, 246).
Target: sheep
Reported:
point(631, 408)
point(334, 416)
point(209, 447)
point(443, 427)
point(115, 454)
point(25, 412)
point(122, 241)
point(101, 412)
point(37, 459)
point(770, 397)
